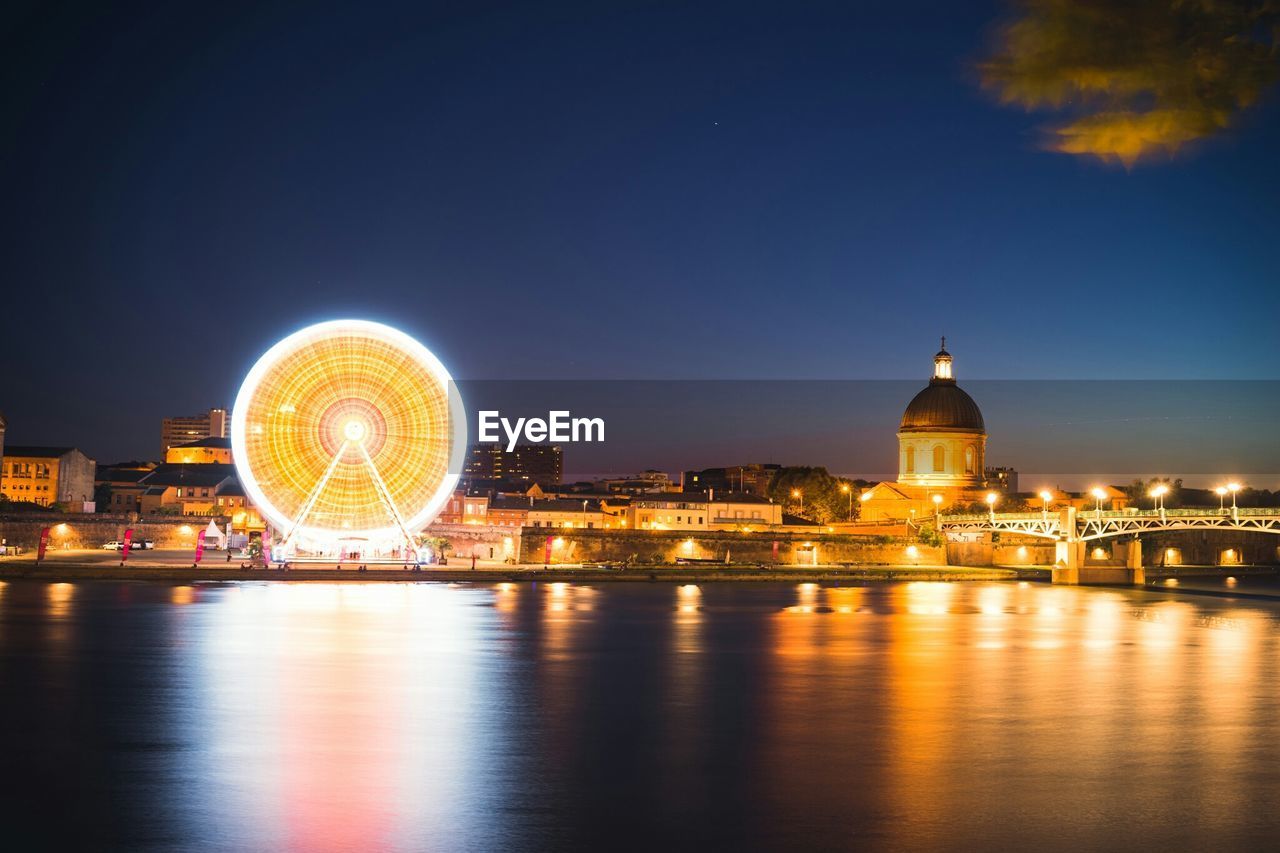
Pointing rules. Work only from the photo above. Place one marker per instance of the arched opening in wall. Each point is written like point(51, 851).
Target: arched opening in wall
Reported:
point(909, 464)
point(939, 458)
point(970, 459)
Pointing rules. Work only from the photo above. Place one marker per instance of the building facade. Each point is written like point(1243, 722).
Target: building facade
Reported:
point(211, 450)
point(48, 475)
point(702, 511)
point(215, 423)
point(1002, 479)
point(942, 440)
point(752, 479)
point(942, 448)
point(532, 463)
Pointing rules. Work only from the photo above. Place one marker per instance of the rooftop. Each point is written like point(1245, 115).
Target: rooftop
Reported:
point(36, 451)
point(175, 474)
point(211, 441)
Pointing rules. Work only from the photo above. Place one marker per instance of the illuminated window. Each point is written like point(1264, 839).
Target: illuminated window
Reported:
point(939, 458)
point(911, 460)
point(969, 458)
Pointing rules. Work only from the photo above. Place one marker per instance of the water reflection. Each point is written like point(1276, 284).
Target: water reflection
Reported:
point(554, 716)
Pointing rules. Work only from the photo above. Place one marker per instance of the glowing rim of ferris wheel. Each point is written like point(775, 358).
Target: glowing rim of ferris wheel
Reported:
point(340, 403)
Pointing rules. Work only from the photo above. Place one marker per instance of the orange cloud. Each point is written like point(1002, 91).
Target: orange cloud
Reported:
point(1135, 79)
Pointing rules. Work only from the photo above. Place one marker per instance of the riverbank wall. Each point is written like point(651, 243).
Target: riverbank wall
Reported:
point(68, 572)
point(71, 531)
point(667, 547)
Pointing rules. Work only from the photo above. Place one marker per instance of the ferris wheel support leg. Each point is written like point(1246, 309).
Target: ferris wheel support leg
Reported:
point(385, 494)
point(314, 496)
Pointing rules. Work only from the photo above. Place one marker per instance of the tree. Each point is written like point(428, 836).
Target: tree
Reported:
point(814, 494)
point(1139, 491)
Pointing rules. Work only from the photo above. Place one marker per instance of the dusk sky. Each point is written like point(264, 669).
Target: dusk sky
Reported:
point(612, 190)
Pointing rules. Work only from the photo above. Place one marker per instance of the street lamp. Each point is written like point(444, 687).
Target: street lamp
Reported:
point(992, 497)
point(1221, 492)
point(796, 493)
point(1233, 488)
point(1100, 495)
point(1046, 496)
point(937, 510)
point(844, 487)
point(1157, 496)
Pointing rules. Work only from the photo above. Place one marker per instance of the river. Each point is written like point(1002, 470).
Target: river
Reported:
point(387, 716)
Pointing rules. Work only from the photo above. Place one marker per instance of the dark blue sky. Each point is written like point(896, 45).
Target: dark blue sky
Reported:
point(596, 190)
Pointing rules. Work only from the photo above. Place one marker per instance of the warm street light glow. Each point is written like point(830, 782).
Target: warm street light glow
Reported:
point(937, 499)
point(1046, 496)
point(991, 498)
point(1100, 494)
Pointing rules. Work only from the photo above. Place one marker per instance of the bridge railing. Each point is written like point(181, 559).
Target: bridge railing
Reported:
point(1201, 512)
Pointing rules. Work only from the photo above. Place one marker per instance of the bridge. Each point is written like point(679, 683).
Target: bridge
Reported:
point(1071, 528)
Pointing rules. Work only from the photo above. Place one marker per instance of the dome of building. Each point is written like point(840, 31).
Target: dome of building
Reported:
point(943, 405)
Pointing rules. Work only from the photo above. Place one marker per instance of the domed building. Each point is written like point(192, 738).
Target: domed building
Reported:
point(942, 447)
point(942, 440)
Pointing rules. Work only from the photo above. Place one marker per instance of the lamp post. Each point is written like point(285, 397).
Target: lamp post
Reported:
point(1221, 492)
point(844, 487)
point(1157, 497)
point(796, 493)
point(991, 499)
point(937, 511)
point(1233, 488)
point(1100, 495)
point(1046, 496)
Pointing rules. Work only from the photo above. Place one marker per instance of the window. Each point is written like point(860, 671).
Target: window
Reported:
point(969, 457)
point(910, 465)
point(939, 458)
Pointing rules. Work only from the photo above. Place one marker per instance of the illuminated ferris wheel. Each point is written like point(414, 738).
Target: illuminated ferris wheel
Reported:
point(348, 430)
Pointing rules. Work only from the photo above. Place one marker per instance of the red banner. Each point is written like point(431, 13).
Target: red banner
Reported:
point(200, 545)
point(44, 543)
point(128, 540)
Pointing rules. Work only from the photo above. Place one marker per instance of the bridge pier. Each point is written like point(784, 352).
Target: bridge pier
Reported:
point(1133, 563)
point(1067, 558)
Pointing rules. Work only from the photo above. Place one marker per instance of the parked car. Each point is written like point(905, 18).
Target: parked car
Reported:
point(135, 545)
